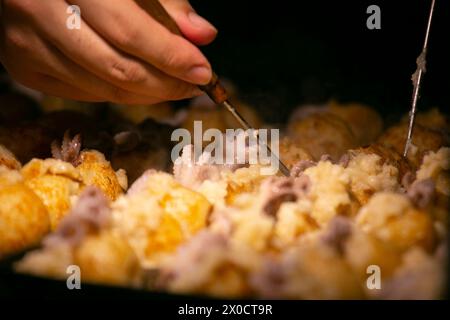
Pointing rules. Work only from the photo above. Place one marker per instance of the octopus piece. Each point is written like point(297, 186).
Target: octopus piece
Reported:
point(69, 150)
point(337, 233)
point(277, 190)
point(422, 193)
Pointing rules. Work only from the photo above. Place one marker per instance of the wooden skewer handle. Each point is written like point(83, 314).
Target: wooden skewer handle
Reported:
point(214, 89)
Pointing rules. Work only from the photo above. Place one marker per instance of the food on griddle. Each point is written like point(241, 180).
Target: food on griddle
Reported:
point(23, 217)
point(425, 139)
point(352, 201)
point(85, 239)
point(158, 214)
point(322, 133)
point(365, 123)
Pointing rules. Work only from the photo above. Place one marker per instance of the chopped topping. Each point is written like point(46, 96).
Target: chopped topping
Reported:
point(422, 192)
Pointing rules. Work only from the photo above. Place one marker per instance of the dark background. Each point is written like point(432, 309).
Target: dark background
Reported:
point(284, 53)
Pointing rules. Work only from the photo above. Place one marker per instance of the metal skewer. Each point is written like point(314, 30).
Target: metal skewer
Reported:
point(214, 89)
point(417, 78)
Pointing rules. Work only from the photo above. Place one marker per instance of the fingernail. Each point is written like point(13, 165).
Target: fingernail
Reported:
point(200, 75)
point(200, 22)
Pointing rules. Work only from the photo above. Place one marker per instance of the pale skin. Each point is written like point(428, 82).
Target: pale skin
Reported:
point(120, 53)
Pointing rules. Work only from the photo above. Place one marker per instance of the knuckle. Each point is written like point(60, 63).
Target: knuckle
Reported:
point(171, 59)
point(126, 38)
point(16, 40)
point(127, 72)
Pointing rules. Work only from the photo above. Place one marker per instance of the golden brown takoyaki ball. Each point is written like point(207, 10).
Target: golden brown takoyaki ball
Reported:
point(388, 156)
point(158, 214)
point(362, 249)
point(391, 218)
point(321, 134)
point(365, 123)
point(8, 159)
point(423, 140)
point(23, 219)
point(27, 141)
point(108, 259)
point(16, 107)
point(95, 170)
point(291, 153)
point(55, 182)
point(9, 176)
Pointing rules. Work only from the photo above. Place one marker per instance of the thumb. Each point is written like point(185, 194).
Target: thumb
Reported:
point(194, 27)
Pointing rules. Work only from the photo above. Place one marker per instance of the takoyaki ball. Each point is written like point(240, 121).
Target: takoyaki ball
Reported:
point(432, 119)
point(307, 271)
point(23, 219)
point(365, 123)
point(362, 249)
point(55, 182)
point(392, 218)
point(158, 214)
point(9, 176)
point(369, 173)
point(8, 159)
point(15, 108)
point(321, 134)
point(291, 154)
point(27, 141)
point(106, 258)
point(95, 170)
point(138, 113)
point(388, 156)
point(423, 141)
